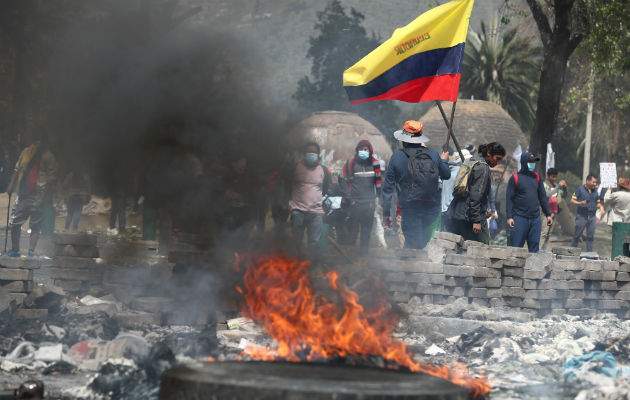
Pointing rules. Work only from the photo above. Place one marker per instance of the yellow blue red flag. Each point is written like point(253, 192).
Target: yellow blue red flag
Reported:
point(420, 62)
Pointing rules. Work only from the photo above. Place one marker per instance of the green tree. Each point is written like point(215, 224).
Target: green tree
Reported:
point(341, 42)
point(503, 69)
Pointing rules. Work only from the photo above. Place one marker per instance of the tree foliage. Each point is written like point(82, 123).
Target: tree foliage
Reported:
point(503, 69)
point(341, 42)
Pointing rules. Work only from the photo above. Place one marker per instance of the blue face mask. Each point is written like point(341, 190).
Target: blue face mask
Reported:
point(531, 166)
point(363, 154)
point(311, 158)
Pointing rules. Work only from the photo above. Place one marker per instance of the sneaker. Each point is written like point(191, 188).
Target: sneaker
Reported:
point(13, 253)
point(30, 254)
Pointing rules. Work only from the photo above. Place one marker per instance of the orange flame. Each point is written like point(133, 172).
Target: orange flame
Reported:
point(306, 326)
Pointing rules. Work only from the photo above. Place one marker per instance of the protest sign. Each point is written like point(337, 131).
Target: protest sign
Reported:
point(608, 175)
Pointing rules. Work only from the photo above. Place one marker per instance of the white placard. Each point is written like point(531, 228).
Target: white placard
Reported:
point(608, 175)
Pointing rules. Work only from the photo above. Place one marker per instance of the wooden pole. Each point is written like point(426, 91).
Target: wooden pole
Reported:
point(449, 126)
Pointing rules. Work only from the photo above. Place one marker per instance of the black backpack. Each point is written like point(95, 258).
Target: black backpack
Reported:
point(421, 180)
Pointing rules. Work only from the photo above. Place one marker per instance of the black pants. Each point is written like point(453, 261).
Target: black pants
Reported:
point(464, 228)
point(361, 218)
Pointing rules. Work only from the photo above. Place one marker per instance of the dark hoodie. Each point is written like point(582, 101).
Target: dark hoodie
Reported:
point(363, 176)
point(528, 195)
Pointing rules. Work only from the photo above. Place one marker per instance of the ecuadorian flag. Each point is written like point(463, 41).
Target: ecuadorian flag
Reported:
point(420, 62)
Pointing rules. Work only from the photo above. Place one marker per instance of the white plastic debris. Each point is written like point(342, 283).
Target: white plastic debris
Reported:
point(434, 350)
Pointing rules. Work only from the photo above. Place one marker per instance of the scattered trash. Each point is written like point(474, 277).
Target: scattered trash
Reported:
point(434, 350)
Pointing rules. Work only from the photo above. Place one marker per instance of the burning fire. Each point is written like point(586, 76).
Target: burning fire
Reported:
point(278, 294)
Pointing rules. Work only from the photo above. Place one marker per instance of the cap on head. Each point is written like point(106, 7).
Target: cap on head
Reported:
point(533, 158)
point(624, 183)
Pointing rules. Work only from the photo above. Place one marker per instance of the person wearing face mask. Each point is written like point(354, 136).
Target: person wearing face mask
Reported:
point(524, 198)
point(309, 182)
point(362, 173)
point(587, 201)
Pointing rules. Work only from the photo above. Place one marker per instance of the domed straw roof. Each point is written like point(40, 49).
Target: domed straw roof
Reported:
point(338, 133)
point(476, 122)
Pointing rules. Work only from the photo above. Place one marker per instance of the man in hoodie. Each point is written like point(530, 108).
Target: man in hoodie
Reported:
point(418, 192)
point(362, 174)
point(525, 195)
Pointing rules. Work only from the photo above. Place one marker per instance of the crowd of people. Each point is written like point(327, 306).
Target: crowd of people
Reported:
point(428, 191)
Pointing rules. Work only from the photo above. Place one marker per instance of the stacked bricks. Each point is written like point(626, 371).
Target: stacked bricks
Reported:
point(75, 265)
point(16, 276)
point(543, 283)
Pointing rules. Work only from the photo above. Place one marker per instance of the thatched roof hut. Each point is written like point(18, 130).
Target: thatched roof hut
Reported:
point(338, 133)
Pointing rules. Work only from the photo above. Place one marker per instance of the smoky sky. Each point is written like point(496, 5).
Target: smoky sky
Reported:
point(163, 108)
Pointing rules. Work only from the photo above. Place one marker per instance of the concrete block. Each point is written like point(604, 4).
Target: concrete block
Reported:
point(489, 251)
point(450, 281)
point(497, 302)
point(623, 295)
point(456, 291)
point(412, 266)
point(539, 262)
point(563, 275)
point(576, 284)
point(519, 252)
point(400, 297)
point(536, 304)
point(610, 265)
point(534, 274)
point(514, 302)
point(478, 292)
point(514, 271)
point(623, 277)
point(11, 274)
point(24, 263)
point(481, 301)
point(609, 285)
point(582, 312)
point(445, 244)
point(69, 250)
point(81, 239)
point(484, 282)
point(568, 258)
point(435, 253)
point(458, 270)
point(623, 285)
point(395, 277)
point(529, 284)
point(18, 297)
point(513, 292)
point(70, 286)
point(398, 287)
point(451, 237)
point(468, 243)
point(75, 262)
point(514, 261)
point(30, 313)
point(623, 267)
point(565, 265)
point(71, 274)
point(485, 272)
point(611, 304)
point(574, 303)
point(426, 288)
point(597, 275)
point(590, 265)
point(463, 259)
point(566, 250)
point(17, 286)
point(546, 294)
point(553, 284)
point(420, 277)
point(513, 282)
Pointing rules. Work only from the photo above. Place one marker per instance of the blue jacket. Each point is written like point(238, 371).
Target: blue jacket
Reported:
point(528, 195)
point(396, 172)
point(581, 194)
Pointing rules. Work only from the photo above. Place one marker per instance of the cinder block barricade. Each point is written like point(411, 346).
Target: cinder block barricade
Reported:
point(557, 282)
point(75, 264)
point(16, 276)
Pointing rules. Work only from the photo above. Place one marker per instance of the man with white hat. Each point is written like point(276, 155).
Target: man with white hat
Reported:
point(414, 172)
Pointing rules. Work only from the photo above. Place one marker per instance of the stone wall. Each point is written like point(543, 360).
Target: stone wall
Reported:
point(557, 282)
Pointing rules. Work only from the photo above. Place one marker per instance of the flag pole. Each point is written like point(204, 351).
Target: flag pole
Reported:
point(450, 128)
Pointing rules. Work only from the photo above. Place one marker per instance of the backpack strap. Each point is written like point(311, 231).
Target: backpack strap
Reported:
point(537, 176)
point(515, 180)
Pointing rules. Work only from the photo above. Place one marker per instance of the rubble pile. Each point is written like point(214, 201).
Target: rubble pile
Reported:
point(559, 282)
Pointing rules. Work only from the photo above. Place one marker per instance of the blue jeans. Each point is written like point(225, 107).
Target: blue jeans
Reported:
point(526, 229)
point(584, 222)
point(415, 225)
